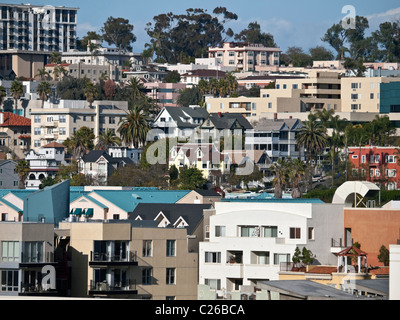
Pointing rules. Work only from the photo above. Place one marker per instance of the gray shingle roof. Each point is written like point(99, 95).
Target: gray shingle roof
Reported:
point(179, 113)
point(227, 120)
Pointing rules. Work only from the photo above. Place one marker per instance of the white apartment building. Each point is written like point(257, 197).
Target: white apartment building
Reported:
point(57, 122)
point(251, 241)
point(37, 28)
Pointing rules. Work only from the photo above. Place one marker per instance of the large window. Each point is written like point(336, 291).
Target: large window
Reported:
point(270, 232)
point(215, 284)
point(146, 276)
point(213, 257)
point(171, 244)
point(281, 258)
point(147, 248)
point(170, 276)
point(33, 252)
point(9, 280)
point(295, 233)
point(10, 251)
point(249, 231)
point(220, 231)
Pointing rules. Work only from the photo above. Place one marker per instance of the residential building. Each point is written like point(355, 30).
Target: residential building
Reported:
point(376, 164)
point(99, 165)
point(9, 179)
point(38, 28)
point(164, 94)
point(201, 197)
point(124, 152)
point(15, 134)
point(192, 78)
point(370, 94)
point(277, 137)
point(145, 73)
point(16, 63)
point(217, 124)
point(44, 163)
point(59, 121)
point(320, 90)
point(27, 255)
point(251, 240)
point(178, 122)
point(246, 56)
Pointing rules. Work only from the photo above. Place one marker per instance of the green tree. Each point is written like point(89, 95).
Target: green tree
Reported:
point(118, 31)
point(189, 96)
point(107, 139)
point(384, 256)
point(320, 53)
point(3, 95)
point(307, 257)
point(297, 57)
point(16, 90)
point(387, 38)
point(136, 89)
point(173, 175)
point(47, 182)
point(172, 77)
point(296, 259)
point(90, 92)
point(253, 34)
point(133, 128)
point(55, 57)
point(80, 142)
point(22, 169)
point(279, 169)
point(44, 91)
point(42, 74)
point(191, 178)
point(296, 171)
point(60, 72)
point(91, 35)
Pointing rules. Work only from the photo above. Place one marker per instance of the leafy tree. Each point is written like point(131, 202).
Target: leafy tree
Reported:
point(356, 66)
point(253, 34)
point(22, 169)
point(189, 96)
point(90, 91)
point(136, 175)
point(279, 170)
point(47, 182)
point(60, 72)
point(191, 178)
point(91, 35)
point(384, 256)
point(181, 37)
point(387, 38)
point(307, 257)
point(173, 174)
point(3, 94)
point(296, 256)
point(109, 89)
point(136, 89)
point(118, 31)
point(71, 89)
point(16, 90)
point(320, 53)
point(297, 57)
point(172, 77)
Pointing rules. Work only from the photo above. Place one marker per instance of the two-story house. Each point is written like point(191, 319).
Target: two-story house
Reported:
point(15, 134)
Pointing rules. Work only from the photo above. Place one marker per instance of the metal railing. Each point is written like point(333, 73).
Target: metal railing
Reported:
point(104, 286)
point(128, 256)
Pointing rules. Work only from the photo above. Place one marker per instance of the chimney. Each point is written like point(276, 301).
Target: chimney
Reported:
point(275, 116)
point(220, 114)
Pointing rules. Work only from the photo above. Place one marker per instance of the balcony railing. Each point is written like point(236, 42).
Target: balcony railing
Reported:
point(123, 287)
point(98, 258)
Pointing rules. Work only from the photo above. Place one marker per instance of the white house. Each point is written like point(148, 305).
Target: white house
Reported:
point(253, 241)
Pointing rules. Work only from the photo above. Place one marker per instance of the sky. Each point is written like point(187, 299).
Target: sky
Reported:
point(292, 23)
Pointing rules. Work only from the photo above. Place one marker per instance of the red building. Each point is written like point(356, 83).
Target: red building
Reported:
point(377, 164)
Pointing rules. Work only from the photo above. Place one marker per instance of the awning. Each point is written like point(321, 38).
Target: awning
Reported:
point(89, 212)
point(77, 212)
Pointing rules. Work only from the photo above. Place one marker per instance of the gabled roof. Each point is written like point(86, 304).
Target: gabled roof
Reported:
point(191, 213)
point(180, 113)
point(95, 155)
point(54, 145)
point(13, 120)
point(227, 120)
point(277, 125)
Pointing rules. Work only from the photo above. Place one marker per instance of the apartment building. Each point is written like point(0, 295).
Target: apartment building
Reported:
point(27, 255)
point(16, 63)
point(376, 164)
point(15, 134)
point(8, 177)
point(253, 240)
point(246, 56)
point(320, 90)
point(277, 137)
point(59, 121)
point(164, 94)
point(370, 94)
point(37, 28)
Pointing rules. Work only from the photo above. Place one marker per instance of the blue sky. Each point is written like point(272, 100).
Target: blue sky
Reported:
point(293, 23)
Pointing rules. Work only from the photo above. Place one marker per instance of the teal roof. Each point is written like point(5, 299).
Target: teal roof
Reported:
point(127, 200)
point(273, 200)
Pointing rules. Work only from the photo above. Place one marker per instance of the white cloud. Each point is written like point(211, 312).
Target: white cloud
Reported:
point(388, 15)
point(84, 27)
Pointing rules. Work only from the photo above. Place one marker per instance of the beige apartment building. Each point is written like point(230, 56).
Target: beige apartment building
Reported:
point(363, 94)
point(320, 90)
point(131, 260)
point(57, 122)
point(246, 56)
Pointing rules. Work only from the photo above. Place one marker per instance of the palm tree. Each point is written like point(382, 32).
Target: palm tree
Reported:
point(42, 74)
point(22, 169)
point(296, 171)
point(17, 90)
point(313, 138)
point(107, 139)
point(60, 72)
point(3, 95)
point(134, 126)
point(44, 90)
point(92, 47)
point(80, 142)
point(90, 92)
point(279, 169)
point(136, 88)
point(55, 57)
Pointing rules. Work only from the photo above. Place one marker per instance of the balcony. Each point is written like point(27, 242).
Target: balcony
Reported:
point(37, 261)
point(98, 259)
point(121, 288)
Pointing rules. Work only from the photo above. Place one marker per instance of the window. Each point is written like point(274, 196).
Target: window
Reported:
point(249, 231)
point(146, 276)
point(147, 248)
point(62, 131)
point(38, 131)
point(270, 232)
point(63, 119)
point(214, 284)
point(220, 231)
point(390, 159)
point(295, 86)
point(281, 258)
point(354, 96)
point(269, 105)
point(375, 158)
point(371, 96)
point(9, 280)
point(295, 233)
point(38, 119)
point(170, 276)
point(171, 248)
point(354, 85)
point(391, 173)
point(254, 106)
point(310, 233)
point(33, 252)
point(212, 257)
point(10, 251)
point(363, 159)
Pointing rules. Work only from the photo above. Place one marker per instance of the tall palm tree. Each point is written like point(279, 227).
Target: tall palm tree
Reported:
point(90, 92)
point(22, 169)
point(80, 142)
point(3, 95)
point(55, 57)
point(134, 126)
point(136, 88)
point(17, 90)
point(60, 72)
point(280, 170)
point(296, 171)
point(93, 48)
point(107, 139)
point(44, 90)
point(313, 138)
